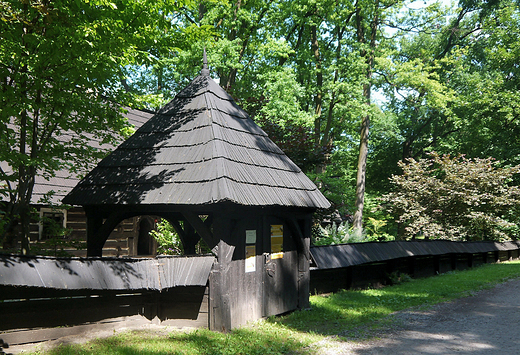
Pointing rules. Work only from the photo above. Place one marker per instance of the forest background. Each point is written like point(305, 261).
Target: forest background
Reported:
point(404, 113)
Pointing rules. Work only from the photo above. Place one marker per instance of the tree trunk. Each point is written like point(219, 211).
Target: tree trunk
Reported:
point(361, 169)
point(365, 122)
point(318, 99)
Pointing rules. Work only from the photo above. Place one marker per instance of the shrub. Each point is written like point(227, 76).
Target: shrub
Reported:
point(337, 234)
point(168, 242)
point(455, 198)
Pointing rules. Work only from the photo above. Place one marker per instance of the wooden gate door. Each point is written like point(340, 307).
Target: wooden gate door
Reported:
point(280, 268)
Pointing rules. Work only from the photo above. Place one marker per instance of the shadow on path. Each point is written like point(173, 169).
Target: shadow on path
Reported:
point(483, 324)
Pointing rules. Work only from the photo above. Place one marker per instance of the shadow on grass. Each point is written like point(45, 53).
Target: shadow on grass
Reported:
point(355, 313)
point(250, 341)
point(346, 312)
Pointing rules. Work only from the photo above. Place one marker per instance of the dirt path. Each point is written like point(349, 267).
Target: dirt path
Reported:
point(486, 323)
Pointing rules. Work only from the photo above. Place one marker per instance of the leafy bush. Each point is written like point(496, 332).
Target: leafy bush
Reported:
point(456, 198)
point(168, 242)
point(337, 234)
point(396, 278)
point(375, 232)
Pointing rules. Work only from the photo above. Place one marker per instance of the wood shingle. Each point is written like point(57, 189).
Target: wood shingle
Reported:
point(201, 148)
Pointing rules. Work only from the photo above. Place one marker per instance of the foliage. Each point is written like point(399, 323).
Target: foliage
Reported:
point(420, 76)
point(61, 73)
point(450, 85)
point(456, 198)
point(4, 221)
point(487, 82)
point(168, 242)
point(398, 277)
point(337, 234)
point(296, 142)
point(375, 230)
point(341, 233)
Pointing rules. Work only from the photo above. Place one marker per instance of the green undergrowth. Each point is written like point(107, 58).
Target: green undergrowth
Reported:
point(340, 314)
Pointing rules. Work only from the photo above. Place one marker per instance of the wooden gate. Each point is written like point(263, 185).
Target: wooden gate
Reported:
point(280, 269)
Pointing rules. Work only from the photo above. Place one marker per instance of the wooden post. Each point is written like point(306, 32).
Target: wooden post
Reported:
point(304, 257)
point(221, 286)
point(94, 223)
point(437, 264)
point(453, 259)
point(99, 231)
point(191, 239)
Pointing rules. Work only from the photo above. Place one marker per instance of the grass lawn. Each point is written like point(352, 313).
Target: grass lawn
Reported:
point(341, 314)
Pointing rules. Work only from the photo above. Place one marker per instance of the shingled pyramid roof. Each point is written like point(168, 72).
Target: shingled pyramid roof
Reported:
point(201, 148)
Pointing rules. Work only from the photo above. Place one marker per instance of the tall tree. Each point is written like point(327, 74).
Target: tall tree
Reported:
point(452, 84)
point(61, 65)
point(369, 18)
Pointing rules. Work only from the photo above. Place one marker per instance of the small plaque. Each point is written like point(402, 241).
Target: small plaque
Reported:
point(250, 236)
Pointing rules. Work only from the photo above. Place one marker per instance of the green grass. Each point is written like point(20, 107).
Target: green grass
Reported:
point(346, 311)
point(353, 313)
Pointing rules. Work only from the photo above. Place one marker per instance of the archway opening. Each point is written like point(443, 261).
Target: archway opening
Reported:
point(145, 242)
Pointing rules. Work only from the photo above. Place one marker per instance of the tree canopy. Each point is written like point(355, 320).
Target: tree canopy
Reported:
point(62, 74)
point(347, 89)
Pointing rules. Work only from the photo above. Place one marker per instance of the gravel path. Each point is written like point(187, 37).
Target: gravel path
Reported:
point(486, 323)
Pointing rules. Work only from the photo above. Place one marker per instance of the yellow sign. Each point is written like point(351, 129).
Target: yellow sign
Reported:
point(277, 241)
point(276, 256)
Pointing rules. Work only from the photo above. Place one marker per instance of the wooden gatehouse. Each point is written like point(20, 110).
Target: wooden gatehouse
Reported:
point(203, 164)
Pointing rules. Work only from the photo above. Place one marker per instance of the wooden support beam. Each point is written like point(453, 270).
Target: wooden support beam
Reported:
point(178, 228)
point(299, 237)
point(94, 243)
point(191, 238)
point(99, 231)
point(202, 229)
point(187, 234)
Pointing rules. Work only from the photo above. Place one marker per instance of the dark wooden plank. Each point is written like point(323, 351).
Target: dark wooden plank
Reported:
point(71, 311)
point(27, 336)
point(424, 266)
point(182, 303)
point(202, 229)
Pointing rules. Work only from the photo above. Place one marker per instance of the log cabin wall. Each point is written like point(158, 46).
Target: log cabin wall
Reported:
point(122, 242)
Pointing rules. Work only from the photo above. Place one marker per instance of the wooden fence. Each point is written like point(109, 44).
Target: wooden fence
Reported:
point(375, 264)
point(43, 298)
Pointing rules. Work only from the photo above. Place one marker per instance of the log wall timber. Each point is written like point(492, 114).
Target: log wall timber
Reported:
point(122, 241)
